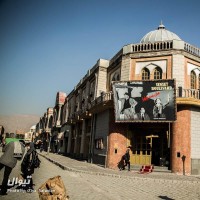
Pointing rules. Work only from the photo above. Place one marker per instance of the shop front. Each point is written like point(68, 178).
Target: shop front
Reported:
point(149, 145)
point(148, 108)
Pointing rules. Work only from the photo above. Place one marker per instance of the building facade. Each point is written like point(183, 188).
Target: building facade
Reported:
point(30, 135)
point(88, 129)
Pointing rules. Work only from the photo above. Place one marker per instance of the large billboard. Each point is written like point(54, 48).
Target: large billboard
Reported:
point(145, 101)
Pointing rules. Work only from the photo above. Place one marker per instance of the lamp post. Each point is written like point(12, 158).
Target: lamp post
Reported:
point(183, 159)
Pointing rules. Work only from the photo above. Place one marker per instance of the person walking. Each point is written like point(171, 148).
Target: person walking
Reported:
point(13, 151)
point(27, 166)
point(127, 159)
point(121, 164)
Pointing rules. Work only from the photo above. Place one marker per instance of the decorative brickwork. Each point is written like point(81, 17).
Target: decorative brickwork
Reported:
point(166, 75)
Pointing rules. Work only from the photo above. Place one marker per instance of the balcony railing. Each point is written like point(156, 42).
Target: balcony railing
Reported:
point(188, 93)
point(180, 93)
point(166, 45)
point(192, 49)
point(108, 96)
point(105, 96)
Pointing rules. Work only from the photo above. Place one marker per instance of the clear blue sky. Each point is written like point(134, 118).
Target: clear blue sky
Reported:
point(48, 45)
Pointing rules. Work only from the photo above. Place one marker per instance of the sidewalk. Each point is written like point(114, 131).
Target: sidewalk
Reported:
point(76, 166)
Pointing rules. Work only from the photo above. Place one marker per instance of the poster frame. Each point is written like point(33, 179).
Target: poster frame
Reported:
point(173, 101)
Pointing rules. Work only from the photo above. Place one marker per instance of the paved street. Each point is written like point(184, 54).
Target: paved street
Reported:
point(85, 181)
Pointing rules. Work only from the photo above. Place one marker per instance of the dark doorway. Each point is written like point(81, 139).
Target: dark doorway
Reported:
point(156, 151)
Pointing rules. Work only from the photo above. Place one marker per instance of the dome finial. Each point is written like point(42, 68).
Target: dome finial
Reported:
point(161, 26)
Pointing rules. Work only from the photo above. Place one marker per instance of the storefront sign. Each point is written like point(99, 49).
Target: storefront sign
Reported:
point(145, 101)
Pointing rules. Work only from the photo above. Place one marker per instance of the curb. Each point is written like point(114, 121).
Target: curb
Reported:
point(116, 175)
point(78, 171)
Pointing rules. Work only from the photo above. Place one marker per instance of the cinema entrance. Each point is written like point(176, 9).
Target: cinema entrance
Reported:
point(149, 145)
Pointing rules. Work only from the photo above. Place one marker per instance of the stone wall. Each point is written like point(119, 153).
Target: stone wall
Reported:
point(102, 80)
point(178, 70)
point(125, 68)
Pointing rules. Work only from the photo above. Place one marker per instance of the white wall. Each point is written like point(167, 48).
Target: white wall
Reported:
point(195, 133)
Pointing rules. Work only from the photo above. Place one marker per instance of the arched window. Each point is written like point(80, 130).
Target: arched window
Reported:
point(157, 73)
point(116, 77)
point(193, 80)
point(145, 74)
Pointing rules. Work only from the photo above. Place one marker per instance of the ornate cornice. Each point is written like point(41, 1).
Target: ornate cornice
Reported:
point(188, 101)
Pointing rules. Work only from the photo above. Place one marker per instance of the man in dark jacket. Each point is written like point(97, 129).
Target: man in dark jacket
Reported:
point(9, 161)
point(27, 166)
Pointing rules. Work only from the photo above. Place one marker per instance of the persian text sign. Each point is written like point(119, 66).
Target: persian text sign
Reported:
point(144, 101)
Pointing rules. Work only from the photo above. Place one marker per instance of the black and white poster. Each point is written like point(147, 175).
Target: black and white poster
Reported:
point(144, 101)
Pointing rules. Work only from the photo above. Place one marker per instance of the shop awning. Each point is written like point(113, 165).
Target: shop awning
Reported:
point(60, 136)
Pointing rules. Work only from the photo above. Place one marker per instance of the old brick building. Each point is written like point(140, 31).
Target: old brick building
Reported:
point(89, 126)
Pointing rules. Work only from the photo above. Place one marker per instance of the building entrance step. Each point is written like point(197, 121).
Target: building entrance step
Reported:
point(156, 168)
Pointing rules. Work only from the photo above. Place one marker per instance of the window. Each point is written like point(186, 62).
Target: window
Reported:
point(145, 74)
point(92, 90)
point(116, 77)
point(99, 143)
point(157, 73)
point(83, 97)
point(193, 80)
